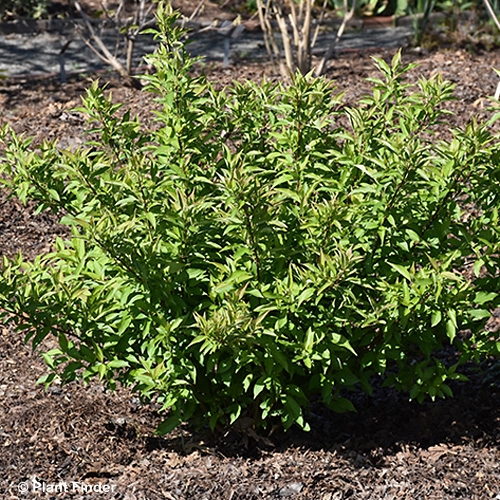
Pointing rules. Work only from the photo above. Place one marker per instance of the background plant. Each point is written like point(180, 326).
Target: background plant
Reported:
point(128, 28)
point(263, 246)
point(298, 30)
point(291, 27)
point(23, 8)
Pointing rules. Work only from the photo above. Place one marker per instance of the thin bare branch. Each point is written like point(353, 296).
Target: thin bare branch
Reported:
point(105, 53)
point(321, 17)
point(304, 50)
point(287, 44)
point(491, 12)
point(199, 8)
point(348, 15)
point(272, 48)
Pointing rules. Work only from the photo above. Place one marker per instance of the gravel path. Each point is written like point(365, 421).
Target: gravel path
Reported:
point(32, 55)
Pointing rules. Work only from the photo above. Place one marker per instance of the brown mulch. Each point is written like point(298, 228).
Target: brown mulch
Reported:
point(73, 438)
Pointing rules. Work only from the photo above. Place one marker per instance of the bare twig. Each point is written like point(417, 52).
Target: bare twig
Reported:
point(320, 20)
point(199, 8)
point(299, 33)
point(273, 51)
point(301, 25)
point(104, 53)
point(62, 60)
point(348, 15)
point(287, 44)
point(131, 28)
point(294, 26)
point(491, 12)
point(304, 49)
point(493, 15)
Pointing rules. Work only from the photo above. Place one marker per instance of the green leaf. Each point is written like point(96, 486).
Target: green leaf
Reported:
point(484, 297)
point(309, 340)
point(168, 425)
point(342, 405)
point(237, 277)
point(259, 386)
point(151, 218)
point(247, 382)
point(436, 318)
point(451, 276)
point(79, 246)
point(304, 296)
point(413, 235)
point(401, 270)
point(479, 314)
point(102, 370)
point(478, 264)
point(451, 329)
point(63, 342)
point(118, 363)
point(235, 414)
point(46, 379)
point(291, 411)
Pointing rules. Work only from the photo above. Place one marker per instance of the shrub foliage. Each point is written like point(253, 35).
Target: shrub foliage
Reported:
point(261, 246)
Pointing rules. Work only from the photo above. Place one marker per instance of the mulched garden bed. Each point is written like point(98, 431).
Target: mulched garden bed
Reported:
point(78, 442)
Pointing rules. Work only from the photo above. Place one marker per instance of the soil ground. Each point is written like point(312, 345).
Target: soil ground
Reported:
point(73, 437)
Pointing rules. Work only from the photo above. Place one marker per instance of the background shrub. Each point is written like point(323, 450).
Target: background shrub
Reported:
point(23, 8)
point(263, 245)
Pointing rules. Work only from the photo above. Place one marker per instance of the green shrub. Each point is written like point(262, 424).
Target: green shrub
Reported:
point(262, 246)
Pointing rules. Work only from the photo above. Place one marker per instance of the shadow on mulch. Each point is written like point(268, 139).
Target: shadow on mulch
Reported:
point(385, 423)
